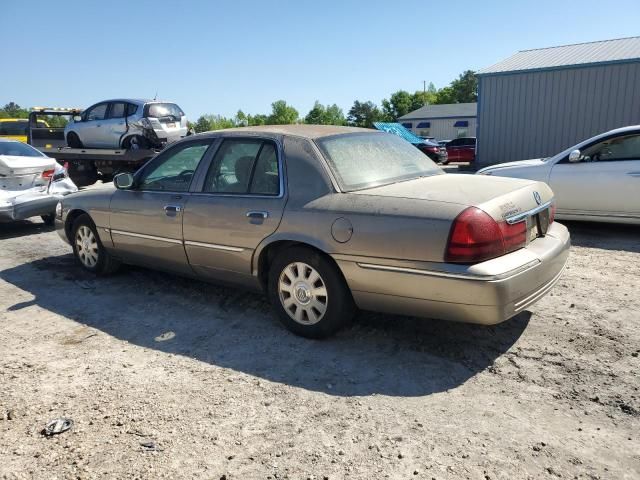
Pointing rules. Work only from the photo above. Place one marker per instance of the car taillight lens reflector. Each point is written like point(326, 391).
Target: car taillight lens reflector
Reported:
point(475, 236)
point(48, 173)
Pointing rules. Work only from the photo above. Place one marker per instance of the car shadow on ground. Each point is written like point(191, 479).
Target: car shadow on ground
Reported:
point(23, 228)
point(608, 236)
point(378, 354)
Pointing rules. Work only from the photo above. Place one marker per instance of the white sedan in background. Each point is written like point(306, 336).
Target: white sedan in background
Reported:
point(596, 180)
point(31, 184)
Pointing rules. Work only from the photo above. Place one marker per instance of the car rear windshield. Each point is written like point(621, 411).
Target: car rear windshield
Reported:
point(19, 149)
point(364, 160)
point(160, 110)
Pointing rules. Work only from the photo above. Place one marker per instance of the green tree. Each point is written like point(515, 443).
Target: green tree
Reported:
point(241, 119)
point(400, 103)
point(363, 114)
point(13, 110)
point(282, 114)
point(464, 89)
point(259, 119)
point(321, 115)
point(206, 123)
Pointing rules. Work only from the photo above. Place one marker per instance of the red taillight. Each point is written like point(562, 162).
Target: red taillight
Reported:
point(475, 236)
point(48, 173)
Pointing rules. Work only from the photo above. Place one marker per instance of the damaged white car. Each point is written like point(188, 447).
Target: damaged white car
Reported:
point(31, 184)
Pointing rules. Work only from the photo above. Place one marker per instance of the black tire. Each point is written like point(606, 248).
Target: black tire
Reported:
point(136, 142)
point(73, 140)
point(49, 220)
point(340, 307)
point(105, 263)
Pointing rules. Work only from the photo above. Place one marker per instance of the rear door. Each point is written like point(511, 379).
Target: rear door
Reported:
point(605, 182)
point(114, 125)
point(239, 203)
point(146, 221)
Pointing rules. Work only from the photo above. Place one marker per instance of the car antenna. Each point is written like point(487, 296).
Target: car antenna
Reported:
point(155, 96)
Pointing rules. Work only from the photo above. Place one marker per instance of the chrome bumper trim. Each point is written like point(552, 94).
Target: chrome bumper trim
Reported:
point(460, 276)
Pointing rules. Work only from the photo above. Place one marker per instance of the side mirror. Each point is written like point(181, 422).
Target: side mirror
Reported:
point(123, 181)
point(575, 156)
point(77, 118)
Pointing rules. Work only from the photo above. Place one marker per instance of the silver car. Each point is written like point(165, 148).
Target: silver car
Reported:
point(597, 180)
point(326, 219)
point(127, 123)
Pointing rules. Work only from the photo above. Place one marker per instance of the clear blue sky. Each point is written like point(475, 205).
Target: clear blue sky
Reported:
point(217, 57)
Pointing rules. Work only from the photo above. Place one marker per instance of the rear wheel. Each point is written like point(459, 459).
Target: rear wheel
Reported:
point(88, 249)
point(73, 140)
point(136, 142)
point(308, 293)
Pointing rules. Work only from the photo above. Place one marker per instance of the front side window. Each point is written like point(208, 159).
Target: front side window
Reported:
point(97, 113)
point(364, 160)
point(625, 147)
point(173, 170)
point(244, 166)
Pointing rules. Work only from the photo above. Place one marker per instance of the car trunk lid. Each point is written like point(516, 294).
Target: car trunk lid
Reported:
point(22, 173)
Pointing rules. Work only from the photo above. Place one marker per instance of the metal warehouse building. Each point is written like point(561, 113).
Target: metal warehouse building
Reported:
point(443, 122)
point(539, 102)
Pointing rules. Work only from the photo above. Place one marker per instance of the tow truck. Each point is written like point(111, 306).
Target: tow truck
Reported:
point(85, 165)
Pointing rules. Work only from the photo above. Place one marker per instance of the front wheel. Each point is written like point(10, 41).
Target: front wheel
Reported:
point(88, 249)
point(73, 140)
point(308, 293)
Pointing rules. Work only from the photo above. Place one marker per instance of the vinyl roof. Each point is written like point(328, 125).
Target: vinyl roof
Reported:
point(605, 51)
point(450, 110)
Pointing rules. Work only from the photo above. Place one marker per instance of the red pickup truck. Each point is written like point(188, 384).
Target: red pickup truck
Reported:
point(461, 150)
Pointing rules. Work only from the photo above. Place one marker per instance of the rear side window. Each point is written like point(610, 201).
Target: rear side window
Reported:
point(117, 110)
point(244, 166)
point(131, 109)
point(14, 128)
point(160, 110)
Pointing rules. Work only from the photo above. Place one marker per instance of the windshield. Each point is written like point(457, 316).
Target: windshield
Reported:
point(19, 149)
point(364, 160)
point(159, 110)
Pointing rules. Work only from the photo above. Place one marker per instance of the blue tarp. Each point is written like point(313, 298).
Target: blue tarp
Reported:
point(399, 130)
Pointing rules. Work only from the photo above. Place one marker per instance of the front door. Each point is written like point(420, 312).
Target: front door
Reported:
point(606, 181)
point(239, 204)
point(90, 129)
point(146, 220)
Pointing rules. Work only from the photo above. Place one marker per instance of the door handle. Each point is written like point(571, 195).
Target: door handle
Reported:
point(168, 209)
point(634, 174)
point(256, 214)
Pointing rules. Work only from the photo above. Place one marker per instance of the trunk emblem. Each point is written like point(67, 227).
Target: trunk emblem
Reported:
point(537, 198)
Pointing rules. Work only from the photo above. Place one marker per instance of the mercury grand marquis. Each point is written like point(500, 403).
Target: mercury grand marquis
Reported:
point(326, 220)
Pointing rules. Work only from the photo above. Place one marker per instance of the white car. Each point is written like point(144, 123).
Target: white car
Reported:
point(31, 184)
point(596, 180)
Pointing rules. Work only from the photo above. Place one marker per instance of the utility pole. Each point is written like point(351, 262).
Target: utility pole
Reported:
point(424, 91)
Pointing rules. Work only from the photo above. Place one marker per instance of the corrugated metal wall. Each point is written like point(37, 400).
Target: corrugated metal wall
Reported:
point(538, 114)
point(442, 128)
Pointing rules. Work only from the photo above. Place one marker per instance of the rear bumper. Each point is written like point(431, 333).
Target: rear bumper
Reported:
point(487, 293)
point(27, 206)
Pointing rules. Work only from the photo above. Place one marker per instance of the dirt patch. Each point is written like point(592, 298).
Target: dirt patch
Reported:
point(172, 378)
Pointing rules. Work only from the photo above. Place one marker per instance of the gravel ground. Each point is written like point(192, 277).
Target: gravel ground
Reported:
point(172, 378)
